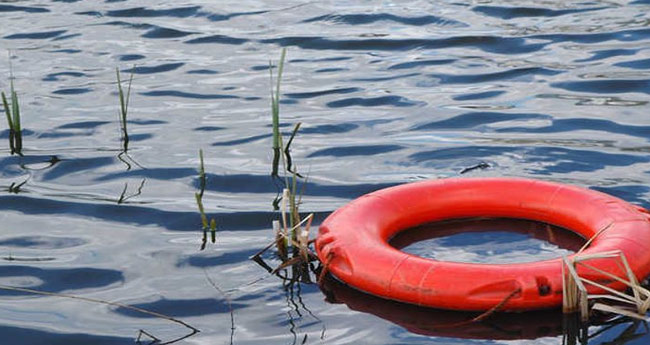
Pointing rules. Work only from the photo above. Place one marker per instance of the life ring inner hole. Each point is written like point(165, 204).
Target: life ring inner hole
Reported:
point(488, 240)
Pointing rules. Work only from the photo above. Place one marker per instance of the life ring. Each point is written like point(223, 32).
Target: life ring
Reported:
point(353, 242)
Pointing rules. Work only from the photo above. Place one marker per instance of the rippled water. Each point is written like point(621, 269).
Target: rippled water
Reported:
point(493, 241)
point(388, 92)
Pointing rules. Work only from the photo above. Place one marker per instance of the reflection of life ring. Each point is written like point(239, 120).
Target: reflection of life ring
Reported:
point(450, 323)
point(353, 241)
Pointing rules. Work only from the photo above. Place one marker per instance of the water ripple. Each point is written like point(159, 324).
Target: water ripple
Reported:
point(144, 216)
point(67, 166)
point(476, 119)
point(608, 53)
point(83, 124)
point(491, 44)
point(182, 94)
point(72, 91)
point(155, 69)
point(606, 86)
point(181, 307)
point(478, 95)
point(578, 124)
point(13, 8)
point(312, 94)
point(220, 39)
point(518, 12)
point(421, 63)
point(60, 279)
point(36, 336)
point(541, 160)
point(523, 74)
point(143, 12)
point(131, 57)
point(635, 64)
point(358, 19)
point(160, 32)
point(56, 76)
point(359, 150)
point(232, 257)
point(395, 101)
point(42, 242)
point(36, 35)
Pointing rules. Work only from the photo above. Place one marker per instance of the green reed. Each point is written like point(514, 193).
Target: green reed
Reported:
point(207, 226)
point(275, 112)
point(12, 112)
point(124, 106)
point(123, 113)
point(291, 230)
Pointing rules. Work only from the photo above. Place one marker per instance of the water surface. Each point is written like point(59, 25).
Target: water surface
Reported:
point(387, 92)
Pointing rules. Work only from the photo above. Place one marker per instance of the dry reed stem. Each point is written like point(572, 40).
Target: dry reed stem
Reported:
point(611, 297)
point(283, 209)
point(620, 311)
point(640, 296)
point(633, 285)
point(303, 239)
point(594, 237)
point(576, 297)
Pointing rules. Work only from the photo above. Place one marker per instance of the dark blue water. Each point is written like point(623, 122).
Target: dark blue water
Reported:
point(387, 92)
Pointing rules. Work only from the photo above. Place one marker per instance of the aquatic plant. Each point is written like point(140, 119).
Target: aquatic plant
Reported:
point(210, 226)
point(576, 297)
point(292, 230)
point(275, 112)
point(12, 112)
point(124, 98)
point(124, 106)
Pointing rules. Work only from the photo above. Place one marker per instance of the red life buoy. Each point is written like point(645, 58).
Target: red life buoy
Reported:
point(353, 241)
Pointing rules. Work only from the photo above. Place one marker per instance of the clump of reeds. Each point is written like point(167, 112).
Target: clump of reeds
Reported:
point(210, 226)
point(292, 230)
point(576, 297)
point(12, 111)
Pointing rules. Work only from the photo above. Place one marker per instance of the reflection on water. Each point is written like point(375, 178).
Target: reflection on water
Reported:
point(387, 93)
point(537, 325)
point(494, 241)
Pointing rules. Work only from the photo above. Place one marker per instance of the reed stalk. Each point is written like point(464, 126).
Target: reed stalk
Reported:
point(12, 113)
point(291, 230)
point(275, 112)
point(124, 106)
point(576, 296)
point(211, 225)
